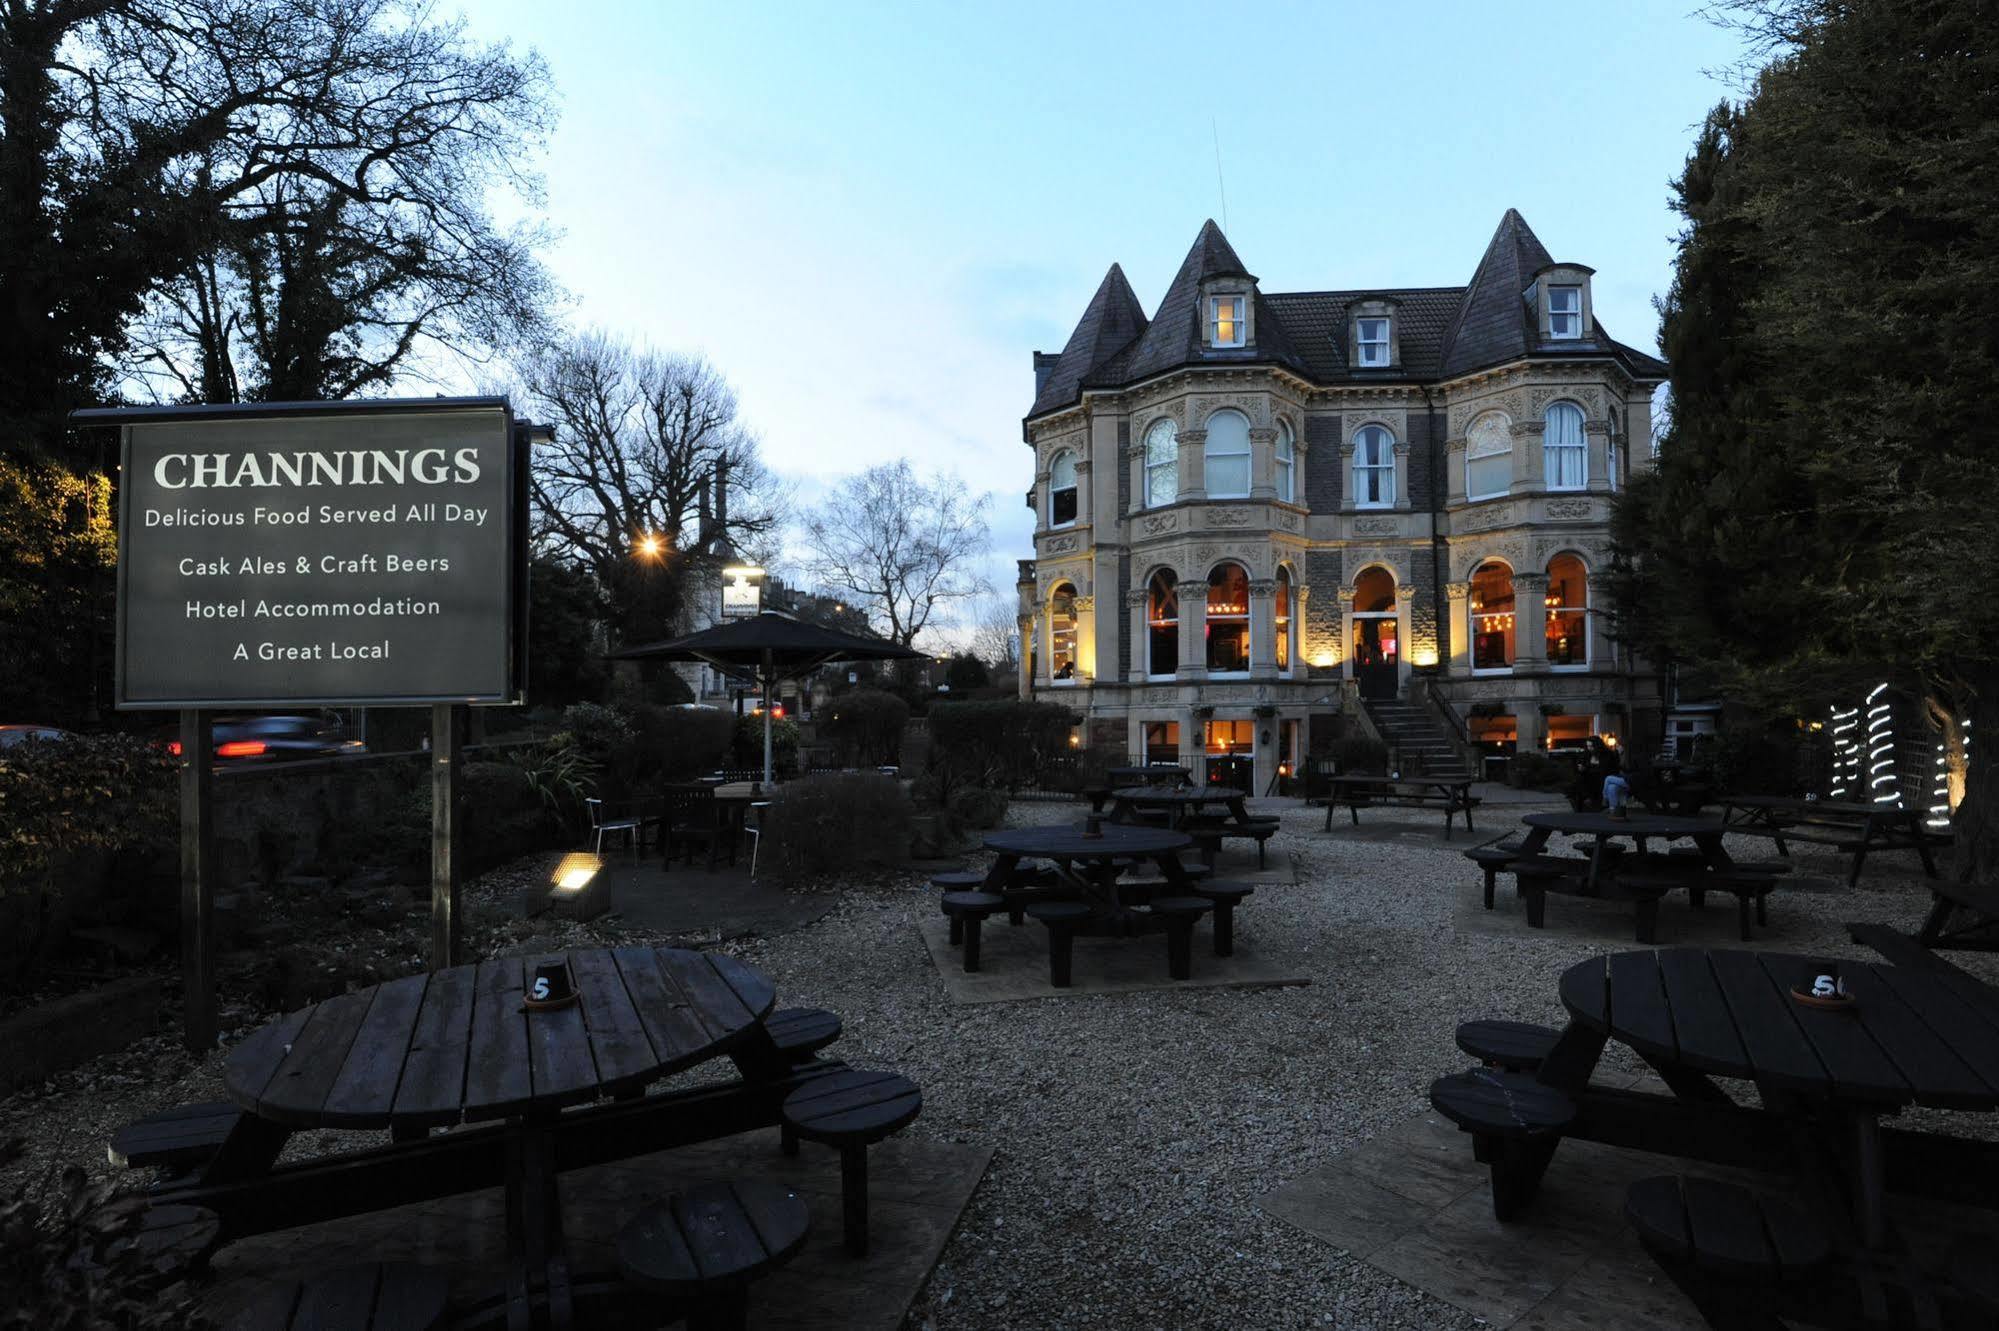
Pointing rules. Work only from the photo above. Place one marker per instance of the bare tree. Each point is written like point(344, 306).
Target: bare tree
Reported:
point(650, 476)
point(995, 637)
point(900, 546)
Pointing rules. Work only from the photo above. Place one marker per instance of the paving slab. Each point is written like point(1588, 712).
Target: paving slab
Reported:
point(697, 902)
point(917, 1191)
point(1570, 1263)
point(1013, 963)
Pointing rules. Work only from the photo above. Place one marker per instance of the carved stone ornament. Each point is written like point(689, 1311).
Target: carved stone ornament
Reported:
point(1405, 592)
point(1458, 591)
point(1530, 582)
point(1059, 545)
point(1085, 604)
point(1376, 526)
point(1569, 508)
point(1263, 587)
point(1229, 517)
point(1136, 598)
point(1288, 521)
point(1302, 593)
point(1484, 519)
point(1159, 524)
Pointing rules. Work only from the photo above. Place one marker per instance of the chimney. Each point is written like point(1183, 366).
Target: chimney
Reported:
point(722, 498)
point(705, 527)
point(1044, 365)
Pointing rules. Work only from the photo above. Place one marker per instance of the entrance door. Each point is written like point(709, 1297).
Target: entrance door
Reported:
point(1374, 656)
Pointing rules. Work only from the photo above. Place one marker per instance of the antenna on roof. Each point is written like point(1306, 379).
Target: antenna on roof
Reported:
point(1220, 184)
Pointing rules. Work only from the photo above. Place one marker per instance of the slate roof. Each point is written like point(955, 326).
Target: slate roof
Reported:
point(1441, 331)
point(1112, 321)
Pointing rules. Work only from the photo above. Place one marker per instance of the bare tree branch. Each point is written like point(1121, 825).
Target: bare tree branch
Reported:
point(899, 546)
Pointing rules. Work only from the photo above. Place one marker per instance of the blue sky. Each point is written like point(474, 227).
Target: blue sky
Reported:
point(868, 216)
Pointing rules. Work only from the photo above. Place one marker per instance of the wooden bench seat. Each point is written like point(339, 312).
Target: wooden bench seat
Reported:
point(1393, 792)
point(178, 1140)
point(968, 910)
point(1730, 1250)
point(1492, 859)
point(372, 1296)
point(1225, 898)
point(1209, 838)
point(801, 1032)
point(702, 1248)
point(1962, 915)
point(1514, 1121)
point(1180, 913)
point(851, 1111)
point(1062, 918)
point(1516, 1046)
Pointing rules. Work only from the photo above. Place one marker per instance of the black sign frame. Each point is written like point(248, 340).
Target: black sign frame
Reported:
point(514, 539)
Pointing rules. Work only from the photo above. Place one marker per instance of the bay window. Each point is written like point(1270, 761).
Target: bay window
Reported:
point(1162, 463)
point(1226, 456)
point(1492, 617)
point(1228, 620)
point(1373, 468)
point(1565, 447)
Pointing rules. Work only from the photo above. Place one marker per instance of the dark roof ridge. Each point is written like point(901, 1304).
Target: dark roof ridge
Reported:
point(1112, 321)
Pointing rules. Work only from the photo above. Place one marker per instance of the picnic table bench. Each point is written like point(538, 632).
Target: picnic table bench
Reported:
point(1451, 794)
point(1962, 915)
point(1854, 829)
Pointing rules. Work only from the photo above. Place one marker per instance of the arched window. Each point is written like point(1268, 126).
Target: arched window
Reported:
point(1492, 617)
point(1162, 464)
point(1374, 468)
point(1062, 489)
point(1610, 453)
point(1488, 456)
point(1228, 620)
point(1062, 634)
point(1566, 449)
point(1162, 623)
point(1227, 452)
point(1283, 608)
point(1287, 464)
point(1377, 646)
point(1568, 612)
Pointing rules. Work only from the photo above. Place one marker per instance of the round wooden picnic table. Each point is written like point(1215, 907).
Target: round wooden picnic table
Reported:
point(1088, 866)
point(1911, 1037)
point(458, 1045)
point(1180, 803)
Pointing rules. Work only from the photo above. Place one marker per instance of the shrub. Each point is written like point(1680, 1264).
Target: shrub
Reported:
point(508, 806)
point(65, 1271)
point(747, 751)
point(1539, 771)
point(1360, 755)
point(836, 824)
point(681, 742)
point(998, 744)
point(867, 725)
point(977, 807)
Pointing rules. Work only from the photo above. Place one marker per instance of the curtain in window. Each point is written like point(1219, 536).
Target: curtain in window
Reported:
point(1287, 464)
point(1374, 468)
point(1283, 614)
point(1566, 449)
point(1227, 455)
point(1062, 490)
point(1488, 456)
point(1162, 464)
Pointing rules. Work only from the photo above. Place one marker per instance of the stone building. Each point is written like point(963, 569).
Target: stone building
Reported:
point(1265, 517)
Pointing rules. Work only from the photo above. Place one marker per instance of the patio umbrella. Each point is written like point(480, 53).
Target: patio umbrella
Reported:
point(775, 646)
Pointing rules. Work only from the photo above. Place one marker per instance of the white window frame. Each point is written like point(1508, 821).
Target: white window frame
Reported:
point(1286, 458)
point(1209, 457)
point(1166, 434)
point(1473, 617)
point(1555, 453)
point(1055, 487)
point(1076, 639)
point(1561, 315)
point(1473, 455)
point(1179, 622)
point(1209, 620)
point(1285, 633)
point(1589, 636)
point(1383, 470)
point(1369, 345)
point(1610, 455)
point(1240, 322)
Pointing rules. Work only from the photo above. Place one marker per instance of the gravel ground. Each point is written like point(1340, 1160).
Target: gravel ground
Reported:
point(1134, 1132)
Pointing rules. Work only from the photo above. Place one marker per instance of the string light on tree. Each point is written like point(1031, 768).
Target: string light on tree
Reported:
point(1845, 751)
point(1880, 749)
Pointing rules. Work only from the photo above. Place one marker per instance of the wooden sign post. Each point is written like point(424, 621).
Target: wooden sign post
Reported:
point(197, 878)
point(447, 775)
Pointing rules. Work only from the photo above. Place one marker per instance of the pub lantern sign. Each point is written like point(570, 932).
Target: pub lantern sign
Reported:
point(742, 592)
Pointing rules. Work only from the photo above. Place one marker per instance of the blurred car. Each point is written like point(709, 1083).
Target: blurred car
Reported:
point(278, 739)
point(21, 733)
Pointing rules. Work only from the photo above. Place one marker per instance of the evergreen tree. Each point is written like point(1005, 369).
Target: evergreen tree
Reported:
point(1824, 514)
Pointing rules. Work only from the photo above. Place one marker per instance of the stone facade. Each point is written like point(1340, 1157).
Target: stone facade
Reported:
point(1487, 441)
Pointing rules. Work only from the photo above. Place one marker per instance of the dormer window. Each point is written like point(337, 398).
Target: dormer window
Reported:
point(1226, 326)
point(1374, 343)
point(1565, 312)
point(1062, 490)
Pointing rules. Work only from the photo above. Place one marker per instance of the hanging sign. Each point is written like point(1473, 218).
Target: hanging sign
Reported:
point(742, 592)
point(322, 553)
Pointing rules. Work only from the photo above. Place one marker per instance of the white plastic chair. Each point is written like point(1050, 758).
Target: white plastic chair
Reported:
point(600, 825)
point(754, 826)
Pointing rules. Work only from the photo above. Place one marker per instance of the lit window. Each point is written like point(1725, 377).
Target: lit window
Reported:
point(1283, 612)
point(1492, 617)
point(1373, 342)
point(1377, 649)
point(1488, 457)
point(1287, 464)
point(1568, 612)
point(1062, 634)
point(1566, 448)
point(1225, 321)
point(1162, 741)
point(1228, 620)
point(1062, 490)
point(1565, 312)
point(1162, 464)
point(1162, 624)
point(1227, 455)
point(1231, 738)
point(1374, 468)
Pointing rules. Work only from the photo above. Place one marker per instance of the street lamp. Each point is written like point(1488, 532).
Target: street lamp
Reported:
point(650, 545)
